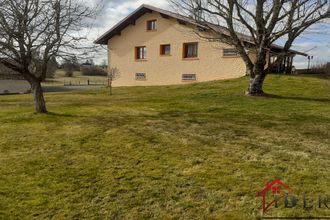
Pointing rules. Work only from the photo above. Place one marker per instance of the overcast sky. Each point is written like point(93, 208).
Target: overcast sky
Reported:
point(316, 42)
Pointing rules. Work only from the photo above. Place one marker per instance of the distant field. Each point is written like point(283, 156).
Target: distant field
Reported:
point(61, 79)
point(198, 151)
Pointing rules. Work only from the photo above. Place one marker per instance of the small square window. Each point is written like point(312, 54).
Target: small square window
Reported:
point(140, 53)
point(140, 76)
point(231, 52)
point(189, 77)
point(152, 25)
point(190, 50)
point(165, 50)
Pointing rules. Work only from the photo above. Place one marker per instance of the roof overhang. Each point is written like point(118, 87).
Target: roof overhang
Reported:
point(129, 20)
point(279, 49)
point(143, 9)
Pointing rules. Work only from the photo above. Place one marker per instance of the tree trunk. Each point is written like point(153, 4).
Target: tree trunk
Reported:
point(38, 96)
point(248, 71)
point(258, 75)
point(110, 86)
point(256, 84)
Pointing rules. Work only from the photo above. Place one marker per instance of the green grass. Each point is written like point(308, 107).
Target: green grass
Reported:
point(198, 151)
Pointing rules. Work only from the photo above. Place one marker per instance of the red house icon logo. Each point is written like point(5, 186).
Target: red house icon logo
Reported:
point(276, 189)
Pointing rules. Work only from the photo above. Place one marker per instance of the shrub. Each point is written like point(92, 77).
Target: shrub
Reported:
point(68, 69)
point(52, 66)
point(320, 69)
point(50, 75)
point(68, 73)
point(93, 71)
point(70, 65)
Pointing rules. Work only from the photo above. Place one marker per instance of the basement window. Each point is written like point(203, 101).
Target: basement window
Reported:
point(231, 52)
point(189, 77)
point(140, 76)
point(152, 25)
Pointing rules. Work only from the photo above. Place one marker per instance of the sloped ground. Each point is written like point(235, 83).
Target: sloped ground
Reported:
point(191, 152)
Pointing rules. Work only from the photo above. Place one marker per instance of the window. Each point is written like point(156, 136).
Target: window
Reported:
point(140, 76)
point(190, 50)
point(165, 50)
point(189, 77)
point(232, 52)
point(140, 53)
point(151, 25)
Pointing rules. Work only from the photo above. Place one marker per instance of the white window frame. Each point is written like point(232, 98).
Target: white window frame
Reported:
point(153, 25)
point(141, 53)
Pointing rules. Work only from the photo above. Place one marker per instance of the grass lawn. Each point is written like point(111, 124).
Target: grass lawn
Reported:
point(198, 151)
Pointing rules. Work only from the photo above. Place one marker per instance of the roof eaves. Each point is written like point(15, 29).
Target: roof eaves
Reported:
point(104, 38)
point(291, 51)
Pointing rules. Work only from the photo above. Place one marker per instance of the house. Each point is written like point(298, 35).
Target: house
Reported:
point(157, 47)
point(11, 86)
point(12, 82)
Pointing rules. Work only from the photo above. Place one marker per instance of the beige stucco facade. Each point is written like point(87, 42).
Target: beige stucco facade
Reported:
point(166, 70)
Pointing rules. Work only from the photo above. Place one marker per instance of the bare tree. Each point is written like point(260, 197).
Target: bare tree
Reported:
point(34, 31)
point(113, 74)
point(265, 21)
